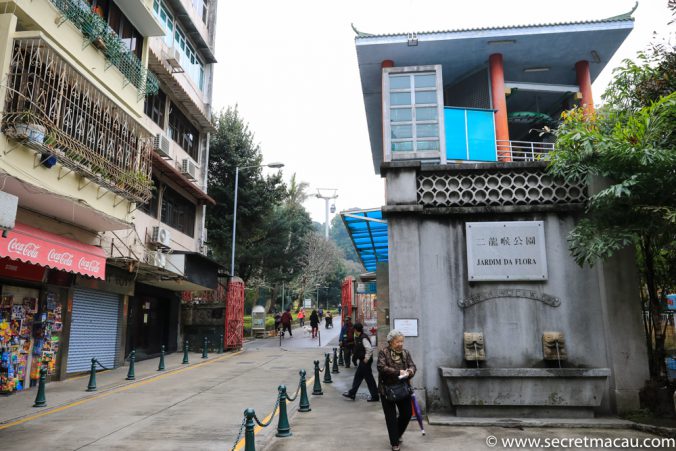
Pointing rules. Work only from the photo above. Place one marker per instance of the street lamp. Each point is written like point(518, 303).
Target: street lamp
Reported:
point(234, 208)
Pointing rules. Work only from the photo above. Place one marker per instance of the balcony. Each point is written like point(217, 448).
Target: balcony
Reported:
point(53, 109)
point(95, 31)
point(523, 150)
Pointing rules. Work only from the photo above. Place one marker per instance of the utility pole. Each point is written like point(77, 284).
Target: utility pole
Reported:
point(330, 194)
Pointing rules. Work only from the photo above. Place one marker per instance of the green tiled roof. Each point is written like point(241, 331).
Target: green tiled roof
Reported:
point(622, 17)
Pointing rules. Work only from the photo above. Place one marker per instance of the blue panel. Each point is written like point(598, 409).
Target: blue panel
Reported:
point(454, 124)
point(481, 135)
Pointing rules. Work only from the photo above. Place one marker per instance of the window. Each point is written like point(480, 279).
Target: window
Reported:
point(167, 21)
point(189, 59)
point(178, 212)
point(183, 132)
point(154, 108)
point(415, 109)
point(119, 23)
point(150, 207)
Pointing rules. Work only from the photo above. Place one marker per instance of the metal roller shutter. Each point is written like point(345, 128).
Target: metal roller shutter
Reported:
point(93, 330)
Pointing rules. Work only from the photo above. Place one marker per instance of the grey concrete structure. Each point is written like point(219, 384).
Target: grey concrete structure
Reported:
point(596, 309)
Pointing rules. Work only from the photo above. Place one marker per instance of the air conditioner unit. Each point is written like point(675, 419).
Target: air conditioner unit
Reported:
point(188, 169)
point(161, 236)
point(161, 145)
point(174, 60)
point(156, 258)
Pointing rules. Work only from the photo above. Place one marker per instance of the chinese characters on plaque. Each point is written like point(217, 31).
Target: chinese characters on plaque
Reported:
point(513, 250)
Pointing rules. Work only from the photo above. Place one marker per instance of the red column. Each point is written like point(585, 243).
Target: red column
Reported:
point(584, 81)
point(497, 74)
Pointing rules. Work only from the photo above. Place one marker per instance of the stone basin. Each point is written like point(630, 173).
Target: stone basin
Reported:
point(526, 392)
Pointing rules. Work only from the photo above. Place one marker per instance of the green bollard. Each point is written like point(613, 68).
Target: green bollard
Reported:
point(335, 361)
point(283, 427)
point(40, 400)
point(132, 358)
point(161, 366)
point(220, 346)
point(186, 345)
point(317, 388)
point(341, 361)
point(327, 369)
point(204, 349)
point(91, 386)
point(249, 437)
point(304, 404)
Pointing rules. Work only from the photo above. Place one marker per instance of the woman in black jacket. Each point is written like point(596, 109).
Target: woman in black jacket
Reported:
point(314, 323)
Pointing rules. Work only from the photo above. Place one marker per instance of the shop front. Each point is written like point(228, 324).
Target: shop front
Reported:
point(36, 276)
point(152, 321)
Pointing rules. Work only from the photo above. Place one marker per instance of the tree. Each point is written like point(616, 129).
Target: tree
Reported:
point(631, 144)
point(232, 146)
point(338, 233)
point(319, 260)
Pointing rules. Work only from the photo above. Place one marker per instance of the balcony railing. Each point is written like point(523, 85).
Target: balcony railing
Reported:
point(55, 110)
point(523, 150)
point(96, 31)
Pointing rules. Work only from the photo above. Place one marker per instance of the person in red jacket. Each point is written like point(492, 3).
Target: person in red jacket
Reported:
point(286, 321)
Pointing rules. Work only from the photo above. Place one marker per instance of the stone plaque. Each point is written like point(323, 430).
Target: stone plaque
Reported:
point(513, 250)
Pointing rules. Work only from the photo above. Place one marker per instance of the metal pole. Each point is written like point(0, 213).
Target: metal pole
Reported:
point(234, 224)
point(326, 224)
point(282, 295)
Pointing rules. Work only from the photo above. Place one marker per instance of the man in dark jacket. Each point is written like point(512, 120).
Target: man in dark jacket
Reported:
point(286, 321)
point(346, 340)
point(363, 353)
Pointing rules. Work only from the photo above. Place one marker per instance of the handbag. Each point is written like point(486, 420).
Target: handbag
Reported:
point(397, 392)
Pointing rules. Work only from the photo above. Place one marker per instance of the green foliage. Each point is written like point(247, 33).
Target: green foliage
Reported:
point(627, 153)
point(338, 233)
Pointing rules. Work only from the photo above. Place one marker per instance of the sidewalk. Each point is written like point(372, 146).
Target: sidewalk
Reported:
point(337, 423)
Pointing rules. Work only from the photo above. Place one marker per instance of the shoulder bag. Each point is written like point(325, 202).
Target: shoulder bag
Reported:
point(397, 392)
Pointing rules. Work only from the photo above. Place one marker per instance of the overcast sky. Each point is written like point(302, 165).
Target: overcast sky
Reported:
point(291, 67)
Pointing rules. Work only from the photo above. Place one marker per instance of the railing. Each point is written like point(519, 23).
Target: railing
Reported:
point(97, 32)
point(523, 150)
point(75, 122)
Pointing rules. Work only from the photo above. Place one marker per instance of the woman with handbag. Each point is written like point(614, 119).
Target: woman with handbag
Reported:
point(395, 369)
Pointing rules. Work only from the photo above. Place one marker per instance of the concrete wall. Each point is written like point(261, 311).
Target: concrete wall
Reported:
point(599, 313)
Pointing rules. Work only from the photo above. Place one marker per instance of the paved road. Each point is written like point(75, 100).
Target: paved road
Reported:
point(301, 339)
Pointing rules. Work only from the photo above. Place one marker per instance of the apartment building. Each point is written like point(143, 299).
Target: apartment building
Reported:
point(103, 150)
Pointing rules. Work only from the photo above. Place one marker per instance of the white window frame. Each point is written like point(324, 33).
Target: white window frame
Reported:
point(388, 155)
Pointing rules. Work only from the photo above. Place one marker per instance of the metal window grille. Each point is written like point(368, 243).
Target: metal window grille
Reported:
point(85, 130)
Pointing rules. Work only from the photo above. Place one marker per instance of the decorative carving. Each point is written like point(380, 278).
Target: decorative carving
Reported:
point(509, 293)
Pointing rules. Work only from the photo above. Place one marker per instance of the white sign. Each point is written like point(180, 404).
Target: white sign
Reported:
point(408, 327)
point(512, 250)
point(307, 303)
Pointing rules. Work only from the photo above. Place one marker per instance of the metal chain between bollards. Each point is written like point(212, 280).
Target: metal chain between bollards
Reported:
point(290, 399)
point(239, 434)
point(274, 412)
point(102, 367)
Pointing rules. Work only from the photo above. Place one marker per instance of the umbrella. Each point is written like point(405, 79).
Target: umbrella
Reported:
point(418, 413)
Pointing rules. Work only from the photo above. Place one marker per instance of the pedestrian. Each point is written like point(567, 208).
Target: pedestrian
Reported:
point(278, 322)
point(363, 354)
point(314, 323)
point(346, 340)
point(286, 321)
point(395, 370)
point(301, 317)
point(329, 319)
point(321, 314)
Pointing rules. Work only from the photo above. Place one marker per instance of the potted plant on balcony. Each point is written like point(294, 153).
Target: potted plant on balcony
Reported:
point(28, 127)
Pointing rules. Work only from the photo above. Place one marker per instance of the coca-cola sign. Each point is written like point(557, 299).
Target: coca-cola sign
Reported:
point(47, 249)
point(65, 258)
point(25, 249)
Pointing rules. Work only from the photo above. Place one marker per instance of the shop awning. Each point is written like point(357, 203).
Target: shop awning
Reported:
point(31, 245)
point(368, 232)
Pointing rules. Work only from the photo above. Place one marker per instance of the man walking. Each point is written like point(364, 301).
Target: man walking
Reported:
point(346, 340)
point(363, 353)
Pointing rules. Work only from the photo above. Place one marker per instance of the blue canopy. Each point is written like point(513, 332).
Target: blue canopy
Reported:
point(368, 232)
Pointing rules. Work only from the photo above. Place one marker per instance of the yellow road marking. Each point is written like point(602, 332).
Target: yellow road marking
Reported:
point(115, 390)
point(257, 428)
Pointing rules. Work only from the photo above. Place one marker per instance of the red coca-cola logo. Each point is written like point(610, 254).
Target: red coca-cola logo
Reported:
point(63, 258)
point(25, 249)
point(89, 265)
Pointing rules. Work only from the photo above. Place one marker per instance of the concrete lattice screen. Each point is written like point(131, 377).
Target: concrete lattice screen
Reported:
point(496, 188)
